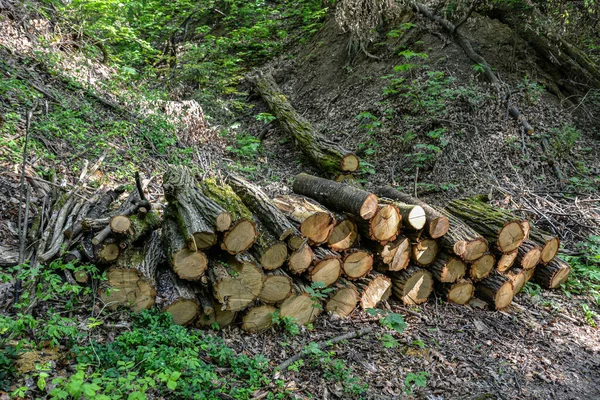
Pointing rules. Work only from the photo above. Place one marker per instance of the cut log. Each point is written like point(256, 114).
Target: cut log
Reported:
point(482, 267)
point(216, 316)
point(141, 224)
point(300, 306)
point(315, 221)
point(496, 290)
point(528, 255)
point(357, 264)
point(496, 225)
point(528, 275)
point(120, 224)
point(236, 281)
point(176, 297)
point(240, 237)
point(277, 287)
point(412, 285)
point(393, 256)
point(460, 292)
point(436, 224)
point(258, 318)
point(269, 251)
point(413, 216)
point(506, 260)
point(324, 153)
point(131, 281)
point(373, 289)
point(344, 299)
point(327, 266)
point(337, 196)
point(300, 259)
point(344, 234)
point(106, 252)
point(424, 251)
point(187, 264)
point(271, 218)
point(383, 226)
point(463, 241)
point(549, 244)
point(552, 275)
point(447, 268)
point(518, 277)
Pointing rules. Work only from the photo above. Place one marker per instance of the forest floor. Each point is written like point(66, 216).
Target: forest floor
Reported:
point(456, 143)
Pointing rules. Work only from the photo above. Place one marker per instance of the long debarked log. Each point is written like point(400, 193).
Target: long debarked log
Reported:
point(337, 196)
point(236, 281)
point(412, 285)
point(316, 222)
point(344, 299)
point(436, 224)
point(187, 264)
point(447, 268)
point(357, 264)
point(460, 292)
point(324, 153)
point(496, 290)
point(552, 275)
point(176, 297)
point(384, 226)
point(327, 266)
point(496, 225)
point(262, 207)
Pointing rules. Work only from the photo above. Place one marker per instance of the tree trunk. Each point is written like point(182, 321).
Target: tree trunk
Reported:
point(482, 267)
point(460, 292)
point(412, 286)
point(261, 205)
point(187, 264)
point(506, 260)
point(413, 216)
point(552, 275)
point(270, 252)
point(497, 225)
point(236, 281)
point(258, 318)
point(528, 255)
point(344, 299)
point(315, 221)
point(131, 281)
point(357, 264)
point(496, 290)
point(393, 256)
point(344, 234)
point(327, 266)
point(373, 289)
point(324, 153)
point(423, 251)
point(436, 224)
point(463, 241)
point(447, 268)
point(337, 196)
point(176, 297)
point(384, 226)
point(277, 287)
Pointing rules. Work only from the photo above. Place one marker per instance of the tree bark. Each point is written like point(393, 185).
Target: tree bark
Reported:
point(315, 221)
point(552, 275)
point(412, 286)
point(324, 153)
point(337, 196)
point(496, 290)
point(447, 268)
point(176, 297)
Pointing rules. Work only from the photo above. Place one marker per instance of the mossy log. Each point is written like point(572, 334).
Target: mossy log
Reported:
point(436, 224)
point(528, 255)
point(459, 292)
point(300, 259)
point(373, 289)
point(259, 203)
point(327, 155)
point(187, 264)
point(497, 225)
point(392, 256)
point(337, 196)
point(176, 297)
point(344, 299)
point(357, 264)
point(482, 267)
point(344, 234)
point(236, 281)
point(423, 251)
point(141, 225)
point(300, 306)
point(447, 268)
point(506, 260)
point(277, 287)
point(413, 216)
point(258, 318)
point(315, 221)
point(412, 285)
point(270, 252)
point(326, 268)
point(552, 275)
point(223, 194)
point(462, 240)
point(496, 290)
point(131, 281)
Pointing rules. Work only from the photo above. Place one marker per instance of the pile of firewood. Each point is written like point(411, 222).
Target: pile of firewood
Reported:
point(223, 247)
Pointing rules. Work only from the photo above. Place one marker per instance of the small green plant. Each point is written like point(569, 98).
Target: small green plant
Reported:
point(388, 341)
point(532, 289)
point(289, 324)
point(585, 270)
point(479, 68)
point(388, 319)
point(266, 118)
point(318, 292)
point(564, 139)
point(415, 380)
point(590, 316)
point(533, 90)
point(246, 146)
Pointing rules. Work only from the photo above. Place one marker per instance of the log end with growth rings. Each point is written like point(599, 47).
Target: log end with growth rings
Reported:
point(318, 227)
point(357, 264)
point(300, 259)
point(350, 163)
point(511, 236)
point(376, 291)
point(369, 207)
point(416, 218)
point(424, 251)
point(300, 307)
point(461, 292)
point(183, 311)
point(343, 235)
point(550, 250)
point(471, 250)
point(258, 319)
point(438, 227)
point(327, 271)
point(385, 223)
point(189, 265)
point(343, 302)
point(240, 237)
point(482, 267)
point(274, 257)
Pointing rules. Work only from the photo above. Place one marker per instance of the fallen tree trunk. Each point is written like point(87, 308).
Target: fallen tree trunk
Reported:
point(496, 290)
point(436, 224)
point(552, 275)
point(337, 196)
point(327, 266)
point(176, 297)
point(187, 264)
point(482, 267)
point(447, 268)
point(324, 153)
point(459, 292)
point(236, 281)
point(496, 225)
point(344, 299)
point(316, 222)
point(357, 264)
point(412, 286)
point(344, 234)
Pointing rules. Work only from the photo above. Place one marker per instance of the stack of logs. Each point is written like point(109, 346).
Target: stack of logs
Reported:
point(224, 247)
